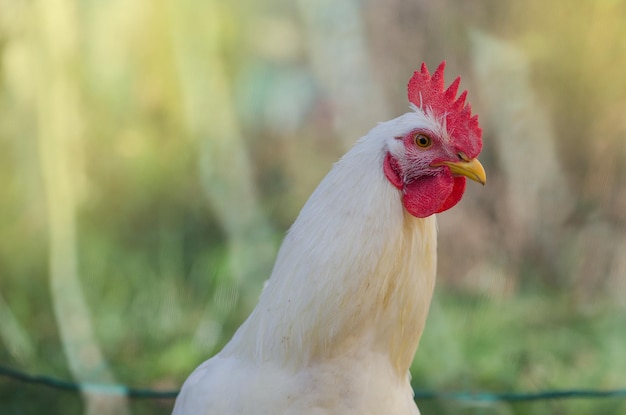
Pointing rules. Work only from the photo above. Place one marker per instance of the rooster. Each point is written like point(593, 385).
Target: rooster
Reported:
point(340, 319)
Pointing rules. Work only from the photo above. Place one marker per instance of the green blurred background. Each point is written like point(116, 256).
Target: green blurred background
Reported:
point(153, 153)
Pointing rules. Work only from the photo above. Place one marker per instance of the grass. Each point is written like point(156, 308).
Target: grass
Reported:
point(531, 342)
point(526, 343)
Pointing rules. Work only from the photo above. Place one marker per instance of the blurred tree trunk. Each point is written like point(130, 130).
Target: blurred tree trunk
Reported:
point(224, 163)
point(59, 131)
point(18, 342)
point(537, 198)
point(341, 61)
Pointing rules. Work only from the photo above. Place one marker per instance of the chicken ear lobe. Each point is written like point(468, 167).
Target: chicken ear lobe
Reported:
point(392, 171)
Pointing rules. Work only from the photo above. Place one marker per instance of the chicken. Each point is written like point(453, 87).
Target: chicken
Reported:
point(340, 319)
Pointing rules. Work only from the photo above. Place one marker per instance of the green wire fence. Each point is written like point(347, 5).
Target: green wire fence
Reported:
point(135, 393)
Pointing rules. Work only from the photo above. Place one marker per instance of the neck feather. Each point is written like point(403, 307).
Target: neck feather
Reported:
point(354, 275)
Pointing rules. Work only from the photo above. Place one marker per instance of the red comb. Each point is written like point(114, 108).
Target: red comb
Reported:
point(427, 92)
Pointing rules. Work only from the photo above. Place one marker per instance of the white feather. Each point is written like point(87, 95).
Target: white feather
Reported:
point(340, 319)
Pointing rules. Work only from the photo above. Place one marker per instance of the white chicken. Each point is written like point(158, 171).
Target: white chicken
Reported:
point(338, 324)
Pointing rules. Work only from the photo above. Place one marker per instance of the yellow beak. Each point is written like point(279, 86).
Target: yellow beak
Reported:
point(472, 169)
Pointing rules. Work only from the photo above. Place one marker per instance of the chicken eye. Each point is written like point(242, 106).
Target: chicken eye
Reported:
point(422, 140)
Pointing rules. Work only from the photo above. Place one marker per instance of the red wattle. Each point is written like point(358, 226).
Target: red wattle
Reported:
point(428, 195)
point(456, 195)
point(425, 195)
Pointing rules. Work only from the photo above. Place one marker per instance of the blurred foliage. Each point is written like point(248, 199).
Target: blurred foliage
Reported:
point(200, 128)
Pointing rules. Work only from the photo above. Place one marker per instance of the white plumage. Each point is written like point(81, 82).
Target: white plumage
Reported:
point(338, 323)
